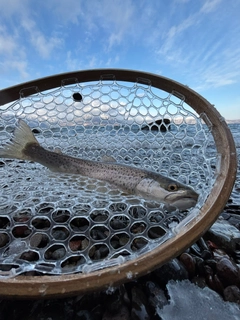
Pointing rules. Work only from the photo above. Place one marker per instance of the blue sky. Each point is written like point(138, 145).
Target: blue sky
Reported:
point(195, 42)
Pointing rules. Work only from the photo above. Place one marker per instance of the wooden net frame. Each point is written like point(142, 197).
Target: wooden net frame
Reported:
point(46, 286)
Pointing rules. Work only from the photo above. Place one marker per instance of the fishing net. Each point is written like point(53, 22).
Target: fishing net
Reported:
point(61, 224)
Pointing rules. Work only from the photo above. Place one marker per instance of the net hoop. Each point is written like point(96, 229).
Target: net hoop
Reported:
point(64, 285)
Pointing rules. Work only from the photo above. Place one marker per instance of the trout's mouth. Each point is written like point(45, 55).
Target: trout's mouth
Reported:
point(182, 201)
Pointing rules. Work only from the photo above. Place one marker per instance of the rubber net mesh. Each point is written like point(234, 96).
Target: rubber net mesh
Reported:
point(53, 223)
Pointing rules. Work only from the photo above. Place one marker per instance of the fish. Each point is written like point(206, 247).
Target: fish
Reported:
point(143, 183)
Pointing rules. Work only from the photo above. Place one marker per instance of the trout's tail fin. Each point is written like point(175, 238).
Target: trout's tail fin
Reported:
point(21, 137)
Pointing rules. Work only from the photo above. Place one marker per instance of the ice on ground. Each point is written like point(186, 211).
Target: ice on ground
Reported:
point(188, 301)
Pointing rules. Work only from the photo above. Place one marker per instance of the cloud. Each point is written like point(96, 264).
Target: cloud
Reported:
point(112, 61)
point(173, 33)
point(44, 45)
point(13, 7)
point(72, 63)
point(176, 31)
point(27, 29)
point(201, 49)
point(14, 69)
point(110, 19)
point(7, 42)
point(210, 5)
point(13, 61)
point(70, 11)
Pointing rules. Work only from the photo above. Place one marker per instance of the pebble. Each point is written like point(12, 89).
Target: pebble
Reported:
point(234, 220)
point(228, 271)
point(174, 269)
point(189, 263)
point(210, 262)
point(122, 314)
point(139, 309)
point(156, 296)
point(224, 235)
point(232, 294)
point(4, 239)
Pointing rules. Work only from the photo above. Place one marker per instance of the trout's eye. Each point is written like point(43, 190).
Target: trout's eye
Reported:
point(172, 187)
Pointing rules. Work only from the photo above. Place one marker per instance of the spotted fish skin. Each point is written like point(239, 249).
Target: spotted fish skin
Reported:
point(144, 183)
point(113, 173)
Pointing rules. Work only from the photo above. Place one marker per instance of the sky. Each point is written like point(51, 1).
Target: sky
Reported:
point(195, 42)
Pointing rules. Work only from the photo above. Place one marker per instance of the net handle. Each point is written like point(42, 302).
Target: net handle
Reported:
point(45, 286)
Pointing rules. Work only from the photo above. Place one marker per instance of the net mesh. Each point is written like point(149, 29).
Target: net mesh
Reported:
point(57, 223)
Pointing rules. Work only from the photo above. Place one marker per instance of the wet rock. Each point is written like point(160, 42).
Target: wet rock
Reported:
point(234, 219)
point(122, 314)
point(206, 254)
point(225, 215)
point(196, 250)
point(211, 263)
point(139, 309)
point(237, 256)
point(232, 294)
point(173, 269)
point(39, 240)
point(218, 287)
point(219, 254)
point(224, 235)
point(29, 255)
point(83, 315)
point(208, 270)
point(202, 244)
point(156, 296)
point(4, 239)
point(232, 209)
point(114, 302)
point(214, 283)
point(200, 270)
point(199, 281)
point(228, 272)
point(93, 306)
point(189, 263)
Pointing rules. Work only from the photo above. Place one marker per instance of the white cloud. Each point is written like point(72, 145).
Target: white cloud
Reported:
point(70, 11)
point(13, 59)
point(113, 18)
point(210, 5)
point(7, 42)
point(198, 47)
point(43, 44)
point(112, 61)
point(174, 32)
point(26, 17)
point(11, 7)
point(72, 63)
point(185, 37)
point(16, 67)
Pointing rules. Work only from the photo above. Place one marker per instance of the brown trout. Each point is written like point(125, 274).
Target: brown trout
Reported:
point(144, 183)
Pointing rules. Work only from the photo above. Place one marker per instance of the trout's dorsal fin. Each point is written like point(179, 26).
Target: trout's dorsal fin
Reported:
point(21, 137)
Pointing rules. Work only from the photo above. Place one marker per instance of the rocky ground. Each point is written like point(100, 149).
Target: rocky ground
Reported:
point(213, 261)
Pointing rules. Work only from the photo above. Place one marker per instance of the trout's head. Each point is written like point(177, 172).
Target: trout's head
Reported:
point(168, 191)
point(180, 196)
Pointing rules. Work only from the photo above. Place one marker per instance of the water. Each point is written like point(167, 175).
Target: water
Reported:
point(235, 195)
